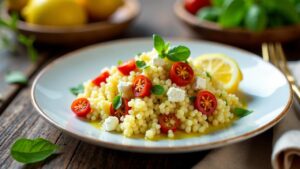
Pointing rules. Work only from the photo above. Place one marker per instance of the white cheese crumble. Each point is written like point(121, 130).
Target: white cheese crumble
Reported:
point(111, 123)
point(175, 94)
point(125, 88)
point(200, 83)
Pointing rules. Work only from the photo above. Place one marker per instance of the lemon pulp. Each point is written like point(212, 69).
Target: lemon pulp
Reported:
point(222, 68)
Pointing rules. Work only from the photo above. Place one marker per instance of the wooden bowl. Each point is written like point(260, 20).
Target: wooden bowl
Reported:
point(85, 34)
point(237, 36)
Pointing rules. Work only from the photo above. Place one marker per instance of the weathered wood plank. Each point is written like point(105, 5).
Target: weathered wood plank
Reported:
point(15, 61)
point(89, 156)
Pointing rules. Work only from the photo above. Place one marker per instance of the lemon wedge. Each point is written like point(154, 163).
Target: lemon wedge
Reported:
point(222, 68)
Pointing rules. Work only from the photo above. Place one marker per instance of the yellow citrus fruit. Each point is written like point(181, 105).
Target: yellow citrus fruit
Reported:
point(222, 68)
point(100, 9)
point(54, 13)
point(16, 5)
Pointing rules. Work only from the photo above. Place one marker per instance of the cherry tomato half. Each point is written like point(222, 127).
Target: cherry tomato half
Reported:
point(141, 86)
point(206, 102)
point(101, 78)
point(168, 122)
point(127, 67)
point(181, 73)
point(122, 111)
point(81, 107)
point(194, 5)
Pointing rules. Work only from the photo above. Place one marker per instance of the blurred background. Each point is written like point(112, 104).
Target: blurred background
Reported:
point(76, 23)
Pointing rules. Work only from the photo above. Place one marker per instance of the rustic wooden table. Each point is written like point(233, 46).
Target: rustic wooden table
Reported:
point(18, 118)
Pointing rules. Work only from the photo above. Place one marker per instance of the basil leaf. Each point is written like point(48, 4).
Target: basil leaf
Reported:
point(193, 98)
point(157, 90)
point(208, 75)
point(218, 3)
point(117, 102)
point(120, 62)
point(77, 89)
point(256, 19)
point(32, 151)
point(209, 13)
point(240, 112)
point(16, 77)
point(233, 13)
point(141, 64)
point(159, 43)
point(179, 53)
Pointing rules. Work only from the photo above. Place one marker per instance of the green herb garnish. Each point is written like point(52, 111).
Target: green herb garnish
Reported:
point(32, 150)
point(16, 77)
point(141, 64)
point(240, 112)
point(117, 102)
point(178, 53)
point(192, 98)
point(157, 90)
point(77, 89)
point(120, 62)
point(208, 75)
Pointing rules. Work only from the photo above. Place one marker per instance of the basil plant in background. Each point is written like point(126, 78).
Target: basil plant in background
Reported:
point(254, 15)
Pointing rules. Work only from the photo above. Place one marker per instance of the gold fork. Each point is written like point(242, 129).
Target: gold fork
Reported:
point(273, 53)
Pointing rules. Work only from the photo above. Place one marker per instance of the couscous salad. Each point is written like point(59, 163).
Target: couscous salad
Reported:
point(163, 91)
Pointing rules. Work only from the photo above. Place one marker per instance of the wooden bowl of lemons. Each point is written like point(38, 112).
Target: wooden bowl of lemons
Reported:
point(242, 23)
point(73, 22)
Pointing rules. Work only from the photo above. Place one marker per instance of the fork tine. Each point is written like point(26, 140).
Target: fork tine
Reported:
point(265, 52)
point(272, 55)
point(281, 57)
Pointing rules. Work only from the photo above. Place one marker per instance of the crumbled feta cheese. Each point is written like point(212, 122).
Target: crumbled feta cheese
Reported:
point(200, 83)
point(158, 61)
point(111, 123)
point(175, 94)
point(125, 88)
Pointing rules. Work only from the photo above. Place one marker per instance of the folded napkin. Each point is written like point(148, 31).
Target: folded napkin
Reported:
point(258, 152)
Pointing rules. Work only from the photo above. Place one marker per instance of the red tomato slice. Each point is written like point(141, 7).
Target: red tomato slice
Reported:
point(168, 122)
point(181, 74)
point(141, 86)
point(194, 5)
point(81, 107)
point(206, 102)
point(127, 67)
point(101, 78)
point(122, 111)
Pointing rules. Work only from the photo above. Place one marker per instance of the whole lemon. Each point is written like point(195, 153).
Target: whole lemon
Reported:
point(54, 13)
point(100, 9)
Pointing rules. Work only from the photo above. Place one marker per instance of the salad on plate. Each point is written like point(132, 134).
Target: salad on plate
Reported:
point(163, 92)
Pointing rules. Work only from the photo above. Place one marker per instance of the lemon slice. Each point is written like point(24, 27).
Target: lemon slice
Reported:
point(222, 68)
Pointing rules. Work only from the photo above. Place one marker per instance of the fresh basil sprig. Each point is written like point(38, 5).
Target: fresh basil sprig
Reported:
point(157, 90)
point(32, 150)
point(177, 53)
point(141, 64)
point(77, 89)
point(16, 77)
point(117, 102)
point(240, 112)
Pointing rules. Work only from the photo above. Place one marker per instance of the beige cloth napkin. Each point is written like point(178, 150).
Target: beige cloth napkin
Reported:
point(258, 152)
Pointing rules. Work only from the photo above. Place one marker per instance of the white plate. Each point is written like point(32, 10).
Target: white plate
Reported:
point(264, 87)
